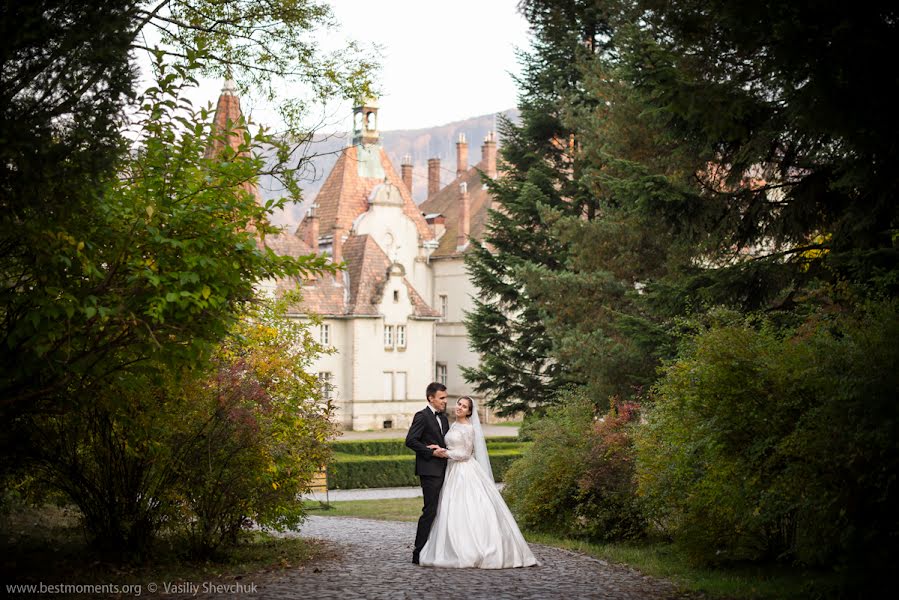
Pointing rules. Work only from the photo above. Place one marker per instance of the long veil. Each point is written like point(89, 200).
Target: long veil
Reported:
point(480, 444)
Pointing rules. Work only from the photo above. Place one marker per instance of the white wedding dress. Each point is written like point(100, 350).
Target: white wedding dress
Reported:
point(473, 527)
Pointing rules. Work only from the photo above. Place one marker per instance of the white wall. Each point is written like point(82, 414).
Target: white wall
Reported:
point(452, 348)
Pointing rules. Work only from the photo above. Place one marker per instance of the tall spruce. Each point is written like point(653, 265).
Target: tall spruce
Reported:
point(733, 155)
point(517, 370)
point(738, 156)
point(776, 157)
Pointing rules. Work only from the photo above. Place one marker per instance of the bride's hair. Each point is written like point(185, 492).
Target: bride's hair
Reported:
point(470, 404)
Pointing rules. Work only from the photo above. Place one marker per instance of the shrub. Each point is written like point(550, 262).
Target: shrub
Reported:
point(393, 447)
point(608, 507)
point(397, 447)
point(368, 470)
point(262, 433)
point(577, 477)
point(202, 453)
point(763, 445)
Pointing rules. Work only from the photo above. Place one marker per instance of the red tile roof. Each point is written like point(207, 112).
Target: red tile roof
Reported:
point(228, 118)
point(354, 292)
point(345, 193)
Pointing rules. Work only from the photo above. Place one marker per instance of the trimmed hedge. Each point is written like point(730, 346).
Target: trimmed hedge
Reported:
point(397, 447)
point(352, 471)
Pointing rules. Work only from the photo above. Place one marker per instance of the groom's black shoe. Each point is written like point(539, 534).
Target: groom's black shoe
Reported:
point(415, 558)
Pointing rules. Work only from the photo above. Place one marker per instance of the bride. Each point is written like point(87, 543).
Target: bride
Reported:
point(473, 526)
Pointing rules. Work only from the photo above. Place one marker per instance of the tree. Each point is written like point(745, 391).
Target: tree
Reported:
point(517, 369)
point(729, 164)
point(197, 453)
point(771, 127)
point(116, 252)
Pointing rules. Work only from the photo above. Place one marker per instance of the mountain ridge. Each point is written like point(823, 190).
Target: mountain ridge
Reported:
point(421, 144)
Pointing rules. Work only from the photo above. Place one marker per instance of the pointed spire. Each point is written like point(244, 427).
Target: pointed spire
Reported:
point(228, 118)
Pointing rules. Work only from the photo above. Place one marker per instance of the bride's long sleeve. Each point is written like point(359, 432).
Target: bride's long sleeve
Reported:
point(466, 449)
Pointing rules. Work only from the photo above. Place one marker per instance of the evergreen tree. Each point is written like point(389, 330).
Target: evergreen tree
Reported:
point(517, 370)
point(776, 159)
point(737, 155)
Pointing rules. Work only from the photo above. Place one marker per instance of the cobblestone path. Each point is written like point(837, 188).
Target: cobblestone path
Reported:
point(375, 562)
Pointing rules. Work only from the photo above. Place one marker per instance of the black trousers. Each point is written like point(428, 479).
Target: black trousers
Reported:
point(430, 486)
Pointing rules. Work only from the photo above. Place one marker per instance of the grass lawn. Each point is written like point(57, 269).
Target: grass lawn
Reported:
point(46, 545)
point(658, 559)
point(399, 509)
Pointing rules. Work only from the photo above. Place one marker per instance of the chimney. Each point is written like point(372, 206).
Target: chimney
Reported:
point(433, 176)
point(488, 155)
point(464, 226)
point(337, 246)
point(461, 155)
point(313, 228)
point(406, 170)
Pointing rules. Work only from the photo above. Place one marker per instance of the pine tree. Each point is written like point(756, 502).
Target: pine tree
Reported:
point(776, 161)
point(738, 156)
point(517, 369)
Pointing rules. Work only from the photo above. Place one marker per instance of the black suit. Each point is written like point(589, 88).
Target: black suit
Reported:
point(430, 469)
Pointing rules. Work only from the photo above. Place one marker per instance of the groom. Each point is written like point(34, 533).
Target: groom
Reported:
point(428, 427)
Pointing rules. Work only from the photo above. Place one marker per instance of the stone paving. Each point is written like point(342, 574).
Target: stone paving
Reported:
point(374, 561)
point(371, 494)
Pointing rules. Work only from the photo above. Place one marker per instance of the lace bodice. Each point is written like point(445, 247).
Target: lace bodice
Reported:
point(460, 441)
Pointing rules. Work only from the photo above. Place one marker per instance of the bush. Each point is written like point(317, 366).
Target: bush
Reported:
point(542, 488)
point(608, 507)
point(354, 471)
point(576, 478)
point(397, 447)
point(262, 434)
point(202, 453)
point(780, 446)
point(369, 470)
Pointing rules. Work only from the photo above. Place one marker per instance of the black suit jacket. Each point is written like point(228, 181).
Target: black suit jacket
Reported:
point(422, 432)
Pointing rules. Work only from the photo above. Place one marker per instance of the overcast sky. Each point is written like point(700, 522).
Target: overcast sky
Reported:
point(441, 61)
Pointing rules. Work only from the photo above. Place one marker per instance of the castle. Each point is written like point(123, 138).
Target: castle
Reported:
point(395, 314)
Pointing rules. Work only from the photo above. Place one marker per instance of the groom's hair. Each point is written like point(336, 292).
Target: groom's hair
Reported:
point(433, 388)
point(470, 404)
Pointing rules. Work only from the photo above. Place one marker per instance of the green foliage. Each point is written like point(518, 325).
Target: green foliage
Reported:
point(365, 464)
point(207, 453)
point(576, 478)
point(396, 447)
point(137, 246)
point(155, 268)
point(608, 507)
point(264, 433)
point(386, 447)
point(763, 445)
point(507, 327)
point(542, 488)
point(354, 471)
